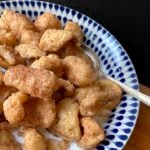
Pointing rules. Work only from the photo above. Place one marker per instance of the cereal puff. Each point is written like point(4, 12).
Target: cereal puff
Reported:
point(75, 28)
point(67, 121)
point(36, 82)
point(78, 72)
point(33, 140)
point(52, 40)
point(29, 51)
point(47, 21)
point(92, 133)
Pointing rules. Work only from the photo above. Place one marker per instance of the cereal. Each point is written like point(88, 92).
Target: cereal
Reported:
point(92, 133)
point(47, 21)
point(30, 37)
point(33, 140)
point(10, 56)
point(67, 121)
point(52, 40)
point(29, 51)
point(7, 38)
point(36, 82)
point(78, 71)
point(76, 30)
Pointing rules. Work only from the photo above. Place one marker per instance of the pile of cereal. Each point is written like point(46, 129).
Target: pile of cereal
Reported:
point(51, 84)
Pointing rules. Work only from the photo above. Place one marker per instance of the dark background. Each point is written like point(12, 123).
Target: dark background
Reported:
point(128, 20)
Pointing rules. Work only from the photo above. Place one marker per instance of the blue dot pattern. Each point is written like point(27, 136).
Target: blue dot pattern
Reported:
point(114, 61)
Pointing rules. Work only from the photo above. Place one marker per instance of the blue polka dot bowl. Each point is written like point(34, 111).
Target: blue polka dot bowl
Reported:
point(114, 59)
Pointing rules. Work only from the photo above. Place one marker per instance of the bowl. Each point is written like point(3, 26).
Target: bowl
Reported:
point(114, 59)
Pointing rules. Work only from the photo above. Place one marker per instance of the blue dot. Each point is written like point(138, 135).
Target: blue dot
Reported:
point(61, 8)
point(134, 105)
point(133, 111)
point(110, 72)
point(42, 12)
point(112, 75)
point(122, 111)
point(99, 53)
point(108, 66)
point(131, 117)
point(114, 130)
point(30, 13)
point(119, 118)
point(90, 21)
point(103, 57)
point(96, 49)
point(122, 80)
point(134, 80)
point(56, 7)
point(113, 149)
point(67, 10)
point(119, 144)
point(118, 69)
point(73, 12)
point(84, 18)
point(21, 3)
point(129, 124)
point(59, 17)
point(134, 99)
point(109, 121)
point(123, 137)
point(8, 4)
point(110, 137)
point(130, 69)
point(85, 30)
point(50, 5)
point(133, 75)
point(15, 3)
point(118, 124)
point(81, 26)
point(127, 130)
point(135, 86)
point(64, 19)
point(39, 4)
point(103, 45)
point(106, 127)
point(88, 42)
point(99, 40)
point(79, 15)
point(99, 28)
point(101, 147)
point(122, 53)
point(92, 45)
point(33, 3)
point(27, 3)
point(112, 116)
point(44, 5)
point(35, 13)
point(121, 75)
point(105, 62)
point(124, 98)
point(123, 105)
point(23, 12)
point(125, 58)
point(103, 31)
point(128, 63)
point(105, 142)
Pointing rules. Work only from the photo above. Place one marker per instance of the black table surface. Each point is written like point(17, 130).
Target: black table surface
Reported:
point(128, 20)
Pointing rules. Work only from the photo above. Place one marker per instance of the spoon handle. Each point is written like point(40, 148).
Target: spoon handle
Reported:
point(139, 95)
